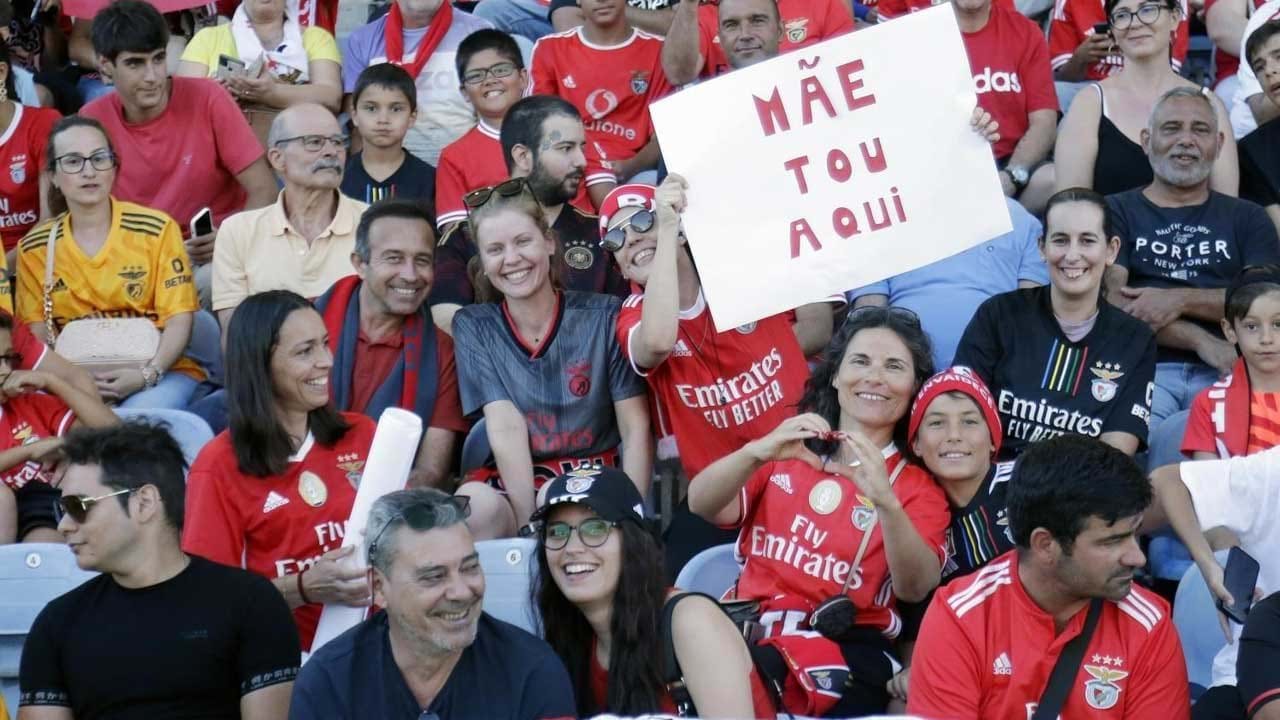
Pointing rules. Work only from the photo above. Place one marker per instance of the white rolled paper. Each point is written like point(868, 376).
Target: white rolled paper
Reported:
point(395, 443)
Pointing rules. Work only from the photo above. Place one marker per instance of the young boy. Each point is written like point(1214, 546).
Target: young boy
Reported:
point(493, 77)
point(37, 409)
point(384, 107)
point(1259, 151)
point(1240, 415)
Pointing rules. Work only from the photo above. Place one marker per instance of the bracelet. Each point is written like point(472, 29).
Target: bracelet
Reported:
point(302, 593)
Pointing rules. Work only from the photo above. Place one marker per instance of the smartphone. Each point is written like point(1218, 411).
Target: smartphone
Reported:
point(1101, 28)
point(1240, 577)
point(202, 223)
point(228, 66)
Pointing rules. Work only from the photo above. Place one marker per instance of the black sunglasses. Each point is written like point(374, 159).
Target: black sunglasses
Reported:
point(508, 188)
point(641, 222)
point(424, 516)
point(78, 506)
point(879, 311)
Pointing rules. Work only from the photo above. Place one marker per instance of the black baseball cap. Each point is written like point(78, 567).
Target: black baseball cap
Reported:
point(1251, 275)
point(606, 490)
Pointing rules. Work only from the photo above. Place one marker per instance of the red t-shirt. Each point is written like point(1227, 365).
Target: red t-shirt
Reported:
point(717, 391)
point(475, 160)
point(264, 524)
point(804, 22)
point(986, 649)
point(28, 346)
point(1073, 21)
point(26, 419)
point(374, 361)
point(22, 158)
point(800, 529)
point(1224, 59)
point(1011, 74)
point(611, 86)
point(196, 148)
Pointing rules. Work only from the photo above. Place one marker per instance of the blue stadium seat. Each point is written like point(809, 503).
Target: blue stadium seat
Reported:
point(509, 568)
point(187, 428)
point(1196, 618)
point(711, 571)
point(31, 575)
point(475, 448)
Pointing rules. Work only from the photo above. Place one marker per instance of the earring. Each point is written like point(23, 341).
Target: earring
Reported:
point(4, 94)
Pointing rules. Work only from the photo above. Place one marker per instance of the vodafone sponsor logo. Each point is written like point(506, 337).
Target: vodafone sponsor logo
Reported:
point(799, 548)
point(741, 398)
point(996, 81)
point(601, 103)
point(328, 536)
point(1035, 421)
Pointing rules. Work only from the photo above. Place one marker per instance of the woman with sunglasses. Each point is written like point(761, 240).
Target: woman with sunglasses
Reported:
point(1099, 145)
point(541, 365)
point(833, 514)
point(1060, 358)
point(603, 602)
point(273, 492)
point(111, 259)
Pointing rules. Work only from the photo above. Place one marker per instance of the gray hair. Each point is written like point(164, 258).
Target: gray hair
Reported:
point(1182, 91)
point(279, 129)
point(382, 540)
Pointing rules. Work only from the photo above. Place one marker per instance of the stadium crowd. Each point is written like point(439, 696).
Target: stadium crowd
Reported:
point(964, 491)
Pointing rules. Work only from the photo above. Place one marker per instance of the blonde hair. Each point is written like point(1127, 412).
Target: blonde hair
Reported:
point(525, 204)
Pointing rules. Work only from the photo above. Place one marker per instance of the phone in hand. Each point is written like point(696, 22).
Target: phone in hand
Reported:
point(229, 66)
point(202, 223)
point(1240, 577)
point(1101, 28)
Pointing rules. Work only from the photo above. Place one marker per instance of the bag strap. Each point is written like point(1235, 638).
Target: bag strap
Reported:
point(51, 332)
point(866, 536)
point(1068, 665)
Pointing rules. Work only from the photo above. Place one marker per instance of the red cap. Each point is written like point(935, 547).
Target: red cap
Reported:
point(957, 379)
point(624, 196)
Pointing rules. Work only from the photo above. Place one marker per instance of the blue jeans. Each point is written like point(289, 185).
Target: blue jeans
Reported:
point(205, 345)
point(525, 18)
point(1177, 384)
point(212, 408)
point(172, 392)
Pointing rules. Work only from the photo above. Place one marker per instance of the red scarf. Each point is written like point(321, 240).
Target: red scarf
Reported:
point(394, 37)
point(1229, 407)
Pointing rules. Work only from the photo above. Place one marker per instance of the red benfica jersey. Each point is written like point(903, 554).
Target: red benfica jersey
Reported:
point(21, 160)
point(1073, 21)
point(804, 22)
point(986, 651)
point(611, 86)
point(26, 419)
point(475, 160)
point(717, 391)
point(800, 530)
point(280, 525)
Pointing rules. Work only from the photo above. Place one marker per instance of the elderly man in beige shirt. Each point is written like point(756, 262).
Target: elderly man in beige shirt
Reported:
point(302, 242)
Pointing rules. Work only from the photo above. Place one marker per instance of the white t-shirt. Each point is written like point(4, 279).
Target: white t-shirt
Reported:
point(1241, 494)
point(1242, 122)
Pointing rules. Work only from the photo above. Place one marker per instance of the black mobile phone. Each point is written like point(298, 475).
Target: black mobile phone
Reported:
point(202, 223)
point(1101, 28)
point(1240, 577)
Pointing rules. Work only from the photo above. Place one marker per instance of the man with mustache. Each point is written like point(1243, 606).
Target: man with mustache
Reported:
point(302, 242)
point(1181, 245)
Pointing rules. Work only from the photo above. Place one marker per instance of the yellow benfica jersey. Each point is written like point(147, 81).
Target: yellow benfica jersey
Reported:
point(141, 271)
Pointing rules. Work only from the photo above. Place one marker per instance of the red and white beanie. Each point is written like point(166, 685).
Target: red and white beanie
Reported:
point(957, 379)
point(625, 196)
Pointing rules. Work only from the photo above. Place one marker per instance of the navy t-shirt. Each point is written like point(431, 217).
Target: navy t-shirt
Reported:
point(413, 180)
point(1200, 246)
point(506, 674)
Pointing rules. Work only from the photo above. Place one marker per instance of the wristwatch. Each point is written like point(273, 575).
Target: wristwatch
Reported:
point(151, 375)
point(1019, 176)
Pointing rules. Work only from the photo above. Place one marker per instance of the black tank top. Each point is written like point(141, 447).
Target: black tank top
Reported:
point(1120, 164)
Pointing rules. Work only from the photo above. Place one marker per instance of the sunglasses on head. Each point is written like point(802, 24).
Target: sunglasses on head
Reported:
point(78, 506)
point(425, 516)
point(592, 532)
point(508, 188)
point(641, 222)
point(876, 311)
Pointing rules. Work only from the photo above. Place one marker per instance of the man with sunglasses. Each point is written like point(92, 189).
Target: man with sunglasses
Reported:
point(159, 634)
point(431, 652)
point(302, 242)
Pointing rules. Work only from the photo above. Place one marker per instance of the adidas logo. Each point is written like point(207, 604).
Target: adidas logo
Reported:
point(1002, 666)
point(274, 500)
point(681, 349)
point(782, 480)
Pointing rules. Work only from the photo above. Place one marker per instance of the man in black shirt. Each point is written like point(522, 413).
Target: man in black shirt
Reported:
point(1181, 245)
point(160, 634)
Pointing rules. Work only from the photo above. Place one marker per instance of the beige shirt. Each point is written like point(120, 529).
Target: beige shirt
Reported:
point(258, 250)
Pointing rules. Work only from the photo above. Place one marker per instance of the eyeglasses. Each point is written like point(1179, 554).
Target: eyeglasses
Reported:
point(641, 222)
point(884, 313)
point(425, 515)
point(78, 506)
point(316, 143)
point(593, 533)
point(73, 163)
point(501, 70)
point(1147, 15)
point(509, 188)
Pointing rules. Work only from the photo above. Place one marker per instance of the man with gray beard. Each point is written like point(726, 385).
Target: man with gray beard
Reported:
point(1181, 245)
point(430, 652)
point(304, 240)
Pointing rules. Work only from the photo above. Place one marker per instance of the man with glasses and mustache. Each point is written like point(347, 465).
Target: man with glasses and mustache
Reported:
point(431, 652)
point(1181, 246)
point(159, 634)
point(303, 242)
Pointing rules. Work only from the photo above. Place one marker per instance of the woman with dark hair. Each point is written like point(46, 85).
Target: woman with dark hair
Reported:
point(1100, 142)
point(607, 617)
point(24, 134)
point(1060, 358)
point(273, 492)
point(833, 515)
point(541, 365)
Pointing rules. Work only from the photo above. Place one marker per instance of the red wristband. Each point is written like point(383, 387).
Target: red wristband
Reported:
point(302, 593)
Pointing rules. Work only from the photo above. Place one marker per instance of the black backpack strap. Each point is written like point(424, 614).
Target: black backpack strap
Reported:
point(1067, 667)
point(672, 675)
